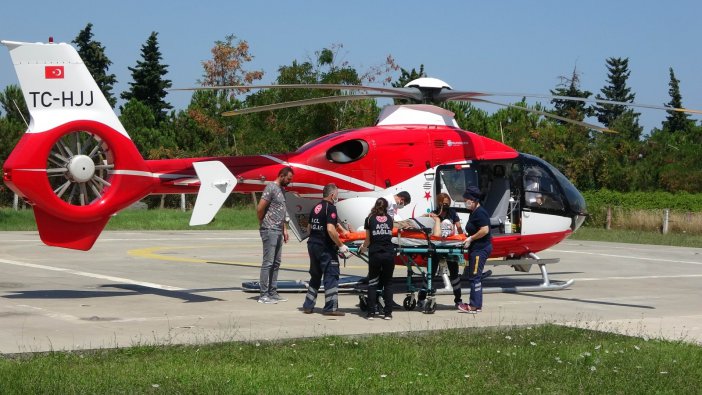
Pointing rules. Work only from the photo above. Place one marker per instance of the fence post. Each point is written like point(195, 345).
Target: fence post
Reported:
point(253, 196)
point(666, 220)
point(608, 225)
point(182, 202)
point(15, 202)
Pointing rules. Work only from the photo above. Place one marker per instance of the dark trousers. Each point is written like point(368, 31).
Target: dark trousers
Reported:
point(380, 268)
point(454, 276)
point(476, 264)
point(324, 264)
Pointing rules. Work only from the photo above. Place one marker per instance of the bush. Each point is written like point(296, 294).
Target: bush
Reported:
point(644, 210)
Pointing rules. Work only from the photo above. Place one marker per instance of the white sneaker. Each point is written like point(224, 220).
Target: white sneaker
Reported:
point(267, 300)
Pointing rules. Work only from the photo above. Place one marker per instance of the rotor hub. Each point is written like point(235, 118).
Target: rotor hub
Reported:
point(81, 168)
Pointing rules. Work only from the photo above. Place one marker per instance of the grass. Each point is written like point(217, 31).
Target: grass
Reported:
point(166, 219)
point(548, 359)
point(638, 237)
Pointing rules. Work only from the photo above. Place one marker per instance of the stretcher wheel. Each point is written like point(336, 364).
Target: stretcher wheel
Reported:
point(363, 302)
point(409, 303)
point(430, 306)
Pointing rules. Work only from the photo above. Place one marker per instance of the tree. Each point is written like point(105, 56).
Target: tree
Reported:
point(212, 133)
point(12, 102)
point(617, 90)
point(571, 109)
point(93, 54)
point(227, 64)
point(676, 121)
point(149, 86)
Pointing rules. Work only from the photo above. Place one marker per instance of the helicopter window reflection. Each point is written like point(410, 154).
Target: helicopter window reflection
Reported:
point(454, 181)
point(540, 190)
point(348, 151)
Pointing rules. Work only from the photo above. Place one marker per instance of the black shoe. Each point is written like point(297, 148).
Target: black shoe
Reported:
point(307, 311)
point(388, 316)
point(370, 316)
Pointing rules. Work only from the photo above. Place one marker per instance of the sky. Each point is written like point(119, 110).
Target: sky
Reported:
point(493, 46)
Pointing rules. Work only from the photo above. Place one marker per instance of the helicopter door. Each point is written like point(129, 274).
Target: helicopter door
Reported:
point(298, 209)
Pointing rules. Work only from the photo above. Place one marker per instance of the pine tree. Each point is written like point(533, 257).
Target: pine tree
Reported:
point(676, 121)
point(93, 54)
point(570, 86)
point(149, 86)
point(617, 90)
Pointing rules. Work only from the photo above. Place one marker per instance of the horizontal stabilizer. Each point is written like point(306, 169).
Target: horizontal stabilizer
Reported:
point(216, 183)
point(58, 232)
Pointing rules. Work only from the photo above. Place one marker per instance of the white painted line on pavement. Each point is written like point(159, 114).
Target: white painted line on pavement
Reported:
point(92, 275)
point(638, 277)
point(626, 256)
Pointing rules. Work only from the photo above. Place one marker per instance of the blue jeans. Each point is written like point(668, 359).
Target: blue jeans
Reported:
point(272, 250)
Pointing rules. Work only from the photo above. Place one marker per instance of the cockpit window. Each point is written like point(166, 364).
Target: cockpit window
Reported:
point(555, 182)
point(455, 180)
point(540, 188)
point(348, 151)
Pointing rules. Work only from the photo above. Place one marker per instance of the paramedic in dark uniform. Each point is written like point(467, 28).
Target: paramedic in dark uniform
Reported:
point(479, 244)
point(447, 224)
point(324, 248)
point(381, 257)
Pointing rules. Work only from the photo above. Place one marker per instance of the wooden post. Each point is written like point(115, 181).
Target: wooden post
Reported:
point(163, 202)
point(608, 225)
point(253, 196)
point(666, 220)
point(15, 202)
point(182, 202)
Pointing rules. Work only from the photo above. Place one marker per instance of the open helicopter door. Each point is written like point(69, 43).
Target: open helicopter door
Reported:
point(298, 209)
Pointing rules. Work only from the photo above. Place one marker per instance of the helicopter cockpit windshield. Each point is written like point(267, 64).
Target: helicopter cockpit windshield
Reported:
point(546, 188)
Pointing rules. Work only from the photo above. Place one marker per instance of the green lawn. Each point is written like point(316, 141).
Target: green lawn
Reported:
point(542, 359)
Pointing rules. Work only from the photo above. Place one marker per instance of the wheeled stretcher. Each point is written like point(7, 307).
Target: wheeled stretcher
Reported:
point(419, 252)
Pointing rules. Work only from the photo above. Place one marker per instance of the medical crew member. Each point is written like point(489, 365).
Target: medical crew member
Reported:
point(324, 248)
point(446, 223)
point(450, 224)
point(381, 257)
point(479, 244)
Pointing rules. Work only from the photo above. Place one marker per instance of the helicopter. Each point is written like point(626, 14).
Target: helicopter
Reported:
point(77, 166)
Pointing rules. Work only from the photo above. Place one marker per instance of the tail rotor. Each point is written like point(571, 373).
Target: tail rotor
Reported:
point(78, 168)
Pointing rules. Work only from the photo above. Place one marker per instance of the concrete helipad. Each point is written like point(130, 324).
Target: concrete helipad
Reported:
point(185, 287)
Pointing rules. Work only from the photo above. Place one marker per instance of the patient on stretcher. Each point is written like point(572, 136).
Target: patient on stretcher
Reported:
point(414, 232)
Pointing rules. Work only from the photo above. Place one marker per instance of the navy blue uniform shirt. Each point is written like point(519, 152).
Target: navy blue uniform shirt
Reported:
point(477, 220)
point(322, 214)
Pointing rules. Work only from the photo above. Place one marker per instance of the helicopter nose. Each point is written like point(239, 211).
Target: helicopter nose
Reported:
point(578, 220)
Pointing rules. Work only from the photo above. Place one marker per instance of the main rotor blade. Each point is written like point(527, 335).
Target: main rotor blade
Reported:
point(546, 114)
point(573, 98)
point(405, 92)
point(305, 102)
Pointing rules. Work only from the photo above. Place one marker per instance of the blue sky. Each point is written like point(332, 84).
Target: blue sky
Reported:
point(496, 46)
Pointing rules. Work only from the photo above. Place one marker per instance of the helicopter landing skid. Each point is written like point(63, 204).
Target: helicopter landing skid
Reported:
point(527, 285)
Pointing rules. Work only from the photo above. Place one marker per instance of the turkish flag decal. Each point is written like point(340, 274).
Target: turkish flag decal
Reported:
point(53, 72)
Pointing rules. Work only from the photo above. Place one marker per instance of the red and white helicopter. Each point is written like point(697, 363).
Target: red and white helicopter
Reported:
point(77, 166)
